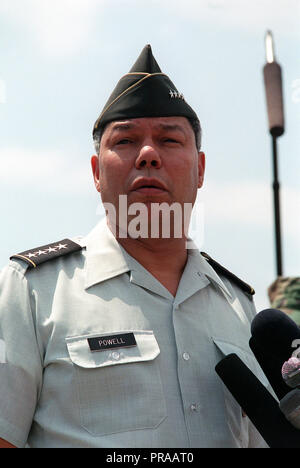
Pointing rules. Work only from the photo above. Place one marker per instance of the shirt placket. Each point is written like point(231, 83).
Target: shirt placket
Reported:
point(189, 370)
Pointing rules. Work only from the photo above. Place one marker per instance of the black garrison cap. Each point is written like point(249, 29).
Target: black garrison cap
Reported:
point(144, 92)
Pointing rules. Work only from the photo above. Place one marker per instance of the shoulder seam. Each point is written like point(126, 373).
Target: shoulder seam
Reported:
point(228, 274)
point(13, 267)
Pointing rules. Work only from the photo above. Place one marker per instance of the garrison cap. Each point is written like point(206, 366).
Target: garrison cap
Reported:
point(144, 92)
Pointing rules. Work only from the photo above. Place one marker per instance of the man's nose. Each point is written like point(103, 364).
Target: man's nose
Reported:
point(148, 158)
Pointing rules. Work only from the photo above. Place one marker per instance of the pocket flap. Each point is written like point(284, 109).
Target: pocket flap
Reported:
point(146, 349)
point(227, 348)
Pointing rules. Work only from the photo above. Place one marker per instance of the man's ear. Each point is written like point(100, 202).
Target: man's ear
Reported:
point(201, 168)
point(96, 171)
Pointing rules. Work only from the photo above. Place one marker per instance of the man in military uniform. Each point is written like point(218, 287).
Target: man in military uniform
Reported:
point(111, 340)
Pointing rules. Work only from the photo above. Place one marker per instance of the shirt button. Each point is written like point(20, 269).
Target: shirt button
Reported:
point(115, 355)
point(186, 356)
point(194, 407)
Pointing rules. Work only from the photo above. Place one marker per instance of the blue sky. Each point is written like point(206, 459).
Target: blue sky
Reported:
point(59, 61)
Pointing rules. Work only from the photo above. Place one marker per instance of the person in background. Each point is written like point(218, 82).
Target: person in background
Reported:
point(284, 294)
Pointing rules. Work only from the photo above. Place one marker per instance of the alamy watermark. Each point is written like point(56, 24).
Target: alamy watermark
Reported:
point(295, 344)
point(156, 220)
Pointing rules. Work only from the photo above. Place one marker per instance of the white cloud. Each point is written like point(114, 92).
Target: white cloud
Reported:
point(48, 171)
point(60, 26)
point(250, 204)
point(63, 27)
point(247, 202)
point(2, 92)
point(282, 16)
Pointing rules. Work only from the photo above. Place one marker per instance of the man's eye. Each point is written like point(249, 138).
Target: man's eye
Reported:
point(124, 141)
point(171, 140)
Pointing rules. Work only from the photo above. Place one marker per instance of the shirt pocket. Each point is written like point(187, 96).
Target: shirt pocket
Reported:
point(118, 389)
point(237, 421)
point(246, 356)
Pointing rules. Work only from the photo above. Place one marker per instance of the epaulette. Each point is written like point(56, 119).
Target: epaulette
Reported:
point(220, 269)
point(47, 252)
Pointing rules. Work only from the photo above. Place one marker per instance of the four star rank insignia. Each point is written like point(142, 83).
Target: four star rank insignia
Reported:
point(47, 252)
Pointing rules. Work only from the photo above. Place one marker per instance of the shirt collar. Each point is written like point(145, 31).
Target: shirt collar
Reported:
point(104, 255)
point(106, 258)
point(204, 268)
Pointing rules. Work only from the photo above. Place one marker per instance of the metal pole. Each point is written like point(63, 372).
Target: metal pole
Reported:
point(274, 98)
point(276, 188)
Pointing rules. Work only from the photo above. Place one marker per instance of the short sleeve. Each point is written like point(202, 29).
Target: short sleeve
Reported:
point(21, 366)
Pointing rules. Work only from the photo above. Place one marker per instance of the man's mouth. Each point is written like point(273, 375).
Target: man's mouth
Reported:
point(148, 186)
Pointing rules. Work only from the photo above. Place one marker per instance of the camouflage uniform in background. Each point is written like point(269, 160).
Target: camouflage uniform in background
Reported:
point(284, 294)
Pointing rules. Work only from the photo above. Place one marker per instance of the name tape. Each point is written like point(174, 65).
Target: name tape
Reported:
point(102, 343)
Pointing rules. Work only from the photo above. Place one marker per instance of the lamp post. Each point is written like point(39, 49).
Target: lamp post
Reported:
point(274, 99)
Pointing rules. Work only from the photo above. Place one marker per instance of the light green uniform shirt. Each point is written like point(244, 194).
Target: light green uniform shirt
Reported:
point(163, 392)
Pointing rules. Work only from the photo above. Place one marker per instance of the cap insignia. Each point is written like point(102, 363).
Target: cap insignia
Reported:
point(175, 94)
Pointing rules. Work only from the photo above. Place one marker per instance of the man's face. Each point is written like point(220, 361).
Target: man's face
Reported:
point(150, 160)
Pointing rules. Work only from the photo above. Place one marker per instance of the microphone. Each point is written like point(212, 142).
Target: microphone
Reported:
point(290, 407)
point(273, 335)
point(259, 405)
point(290, 404)
point(291, 372)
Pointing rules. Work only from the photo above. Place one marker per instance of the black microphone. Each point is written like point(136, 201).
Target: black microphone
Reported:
point(290, 407)
point(259, 405)
point(291, 372)
point(273, 335)
point(290, 403)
